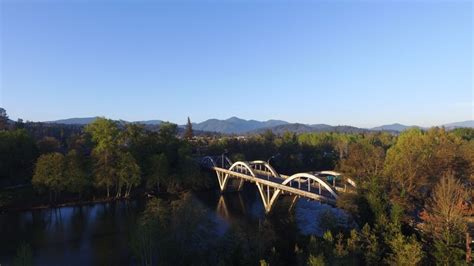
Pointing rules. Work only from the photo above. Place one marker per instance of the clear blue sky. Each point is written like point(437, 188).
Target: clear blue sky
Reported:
point(362, 63)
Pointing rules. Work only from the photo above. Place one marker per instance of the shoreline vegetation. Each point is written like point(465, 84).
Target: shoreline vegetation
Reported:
point(412, 203)
point(32, 205)
point(35, 204)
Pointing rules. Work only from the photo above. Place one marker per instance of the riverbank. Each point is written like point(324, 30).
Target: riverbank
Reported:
point(26, 199)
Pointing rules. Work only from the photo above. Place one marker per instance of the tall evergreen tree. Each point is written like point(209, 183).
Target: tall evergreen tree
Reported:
point(188, 134)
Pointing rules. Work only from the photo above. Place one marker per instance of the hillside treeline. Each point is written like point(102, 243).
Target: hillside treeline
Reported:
point(413, 195)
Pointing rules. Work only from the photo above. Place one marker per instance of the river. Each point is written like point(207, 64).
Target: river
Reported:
point(99, 234)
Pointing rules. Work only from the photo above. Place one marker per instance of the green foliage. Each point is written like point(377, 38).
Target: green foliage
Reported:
point(17, 156)
point(166, 229)
point(77, 178)
point(395, 176)
point(128, 173)
point(340, 249)
point(353, 242)
point(370, 246)
point(404, 251)
point(49, 173)
point(315, 260)
point(247, 245)
point(148, 234)
point(407, 162)
point(105, 135)
point(464, 133)
point(168, 131)
point(159, 171)
point(48, 145)
point(444, 221)
point(364, 160)
point(419, 159)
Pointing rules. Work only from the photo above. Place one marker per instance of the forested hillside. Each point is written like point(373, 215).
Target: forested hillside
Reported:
point(413, 196)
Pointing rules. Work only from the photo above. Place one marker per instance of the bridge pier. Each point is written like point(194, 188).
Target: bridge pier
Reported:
point(268, 198)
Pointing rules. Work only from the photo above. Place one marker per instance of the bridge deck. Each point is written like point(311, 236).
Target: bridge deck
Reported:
point(266, 179)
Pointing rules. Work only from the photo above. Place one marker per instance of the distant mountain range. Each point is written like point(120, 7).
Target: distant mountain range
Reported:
point(235, 125)
point(393, 127)
point(74, 121)
point(303, 128)
point(468, 123)
point(88, 120)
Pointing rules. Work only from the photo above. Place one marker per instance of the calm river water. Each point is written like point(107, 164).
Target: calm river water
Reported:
point(99, 234)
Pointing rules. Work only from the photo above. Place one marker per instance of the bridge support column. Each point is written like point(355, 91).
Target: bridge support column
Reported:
point(223, 180)
point(268, 198)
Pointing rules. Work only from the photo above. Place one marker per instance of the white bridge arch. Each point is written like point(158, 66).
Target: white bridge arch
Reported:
point(264, 166)
point(270, 183)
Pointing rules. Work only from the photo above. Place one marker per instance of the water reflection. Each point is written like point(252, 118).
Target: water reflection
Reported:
point(211, 228)
point(230, 207)
point(91, 234)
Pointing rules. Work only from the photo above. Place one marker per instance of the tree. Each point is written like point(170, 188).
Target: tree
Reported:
point(49, 174)
point(75, 173)
point(419, 159)
point(407, 166)
point(405, 251)
point(48, 145)
point(188, 134)
point(363, 161)
point(444, 222)
point(160, 171)
point(339, 248)
point(105, 135)
point(169, 144)
point(168, 130)
point(342, 145)
point(19, 124)
point(315, 260)
point(148, 234)
point(128, 173)
point(370, 246)
point(3, 119)
point(464, 133)
point(18, 154)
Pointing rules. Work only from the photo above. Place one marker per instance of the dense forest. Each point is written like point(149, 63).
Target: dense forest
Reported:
point(411, 207)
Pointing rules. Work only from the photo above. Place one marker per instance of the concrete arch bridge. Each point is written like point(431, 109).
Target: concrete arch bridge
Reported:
point(322, 186)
